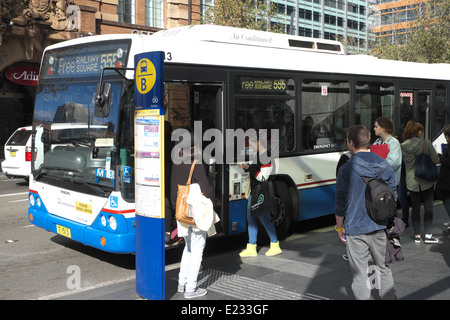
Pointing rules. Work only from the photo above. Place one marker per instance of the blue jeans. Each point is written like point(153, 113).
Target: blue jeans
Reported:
point(252, 225)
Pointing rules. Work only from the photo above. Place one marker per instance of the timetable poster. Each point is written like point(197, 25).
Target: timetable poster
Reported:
point(148, 169)
point(148, 201)
point(148, 137)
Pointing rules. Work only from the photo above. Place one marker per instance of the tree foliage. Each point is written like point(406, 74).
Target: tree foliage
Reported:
point(428, 39)
point(246, 14)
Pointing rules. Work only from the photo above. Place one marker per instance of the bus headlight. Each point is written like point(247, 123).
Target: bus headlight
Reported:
point(38, 201)
point(112, 223)
point(31, 199)
point(119, 53)
point(103, 220)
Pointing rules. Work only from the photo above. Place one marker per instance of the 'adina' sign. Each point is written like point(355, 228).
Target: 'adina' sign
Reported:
point(27, 75)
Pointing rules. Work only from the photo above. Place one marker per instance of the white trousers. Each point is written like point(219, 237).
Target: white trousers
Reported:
point(192, 259)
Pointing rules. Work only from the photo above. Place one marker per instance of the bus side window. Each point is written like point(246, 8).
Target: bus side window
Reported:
point(373, 100)
point(267, 103)
point(325, 111)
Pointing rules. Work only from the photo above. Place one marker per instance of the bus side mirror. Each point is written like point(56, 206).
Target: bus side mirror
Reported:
point(103, 99)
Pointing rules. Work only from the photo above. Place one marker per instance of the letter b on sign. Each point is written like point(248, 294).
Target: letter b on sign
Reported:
point(146, 75)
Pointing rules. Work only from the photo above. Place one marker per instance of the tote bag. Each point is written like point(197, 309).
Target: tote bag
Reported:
point(425, 168)
point(182, 210)
point(263, 199)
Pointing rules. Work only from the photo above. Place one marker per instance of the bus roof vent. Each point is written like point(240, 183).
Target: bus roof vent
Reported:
point(315, 45)
point(329, 47)
point(301, 44)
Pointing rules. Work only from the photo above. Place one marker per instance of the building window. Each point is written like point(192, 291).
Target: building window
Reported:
point(206, 4)
point(362, 10)
point(126, 10)
point(154, 13)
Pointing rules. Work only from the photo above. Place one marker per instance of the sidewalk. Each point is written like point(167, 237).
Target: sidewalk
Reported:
point(310, 268)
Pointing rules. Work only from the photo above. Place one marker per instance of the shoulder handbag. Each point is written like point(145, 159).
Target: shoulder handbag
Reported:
point(425, 169)
point(182, 211)
point(263, 199)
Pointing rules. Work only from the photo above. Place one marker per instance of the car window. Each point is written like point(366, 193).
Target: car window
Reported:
point(19, 138)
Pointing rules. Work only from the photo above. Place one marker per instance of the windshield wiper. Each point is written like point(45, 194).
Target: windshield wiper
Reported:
point(98, 190)
point(40, 172)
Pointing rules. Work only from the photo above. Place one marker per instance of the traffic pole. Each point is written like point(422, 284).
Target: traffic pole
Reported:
point(149, 175)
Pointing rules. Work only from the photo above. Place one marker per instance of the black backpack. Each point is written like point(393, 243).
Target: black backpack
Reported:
point(381, 203)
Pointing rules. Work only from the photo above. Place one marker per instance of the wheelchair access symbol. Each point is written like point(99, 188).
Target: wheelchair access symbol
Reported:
point(145, 76)
point(114, 202)
point(127, 174)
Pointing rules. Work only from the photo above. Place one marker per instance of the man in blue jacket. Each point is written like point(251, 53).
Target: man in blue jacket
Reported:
point(364, 237)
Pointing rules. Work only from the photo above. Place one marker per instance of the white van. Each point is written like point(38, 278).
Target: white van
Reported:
point(17, 163)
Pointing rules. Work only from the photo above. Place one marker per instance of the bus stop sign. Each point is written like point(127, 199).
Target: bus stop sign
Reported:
point(149, 175)
point(149, 81)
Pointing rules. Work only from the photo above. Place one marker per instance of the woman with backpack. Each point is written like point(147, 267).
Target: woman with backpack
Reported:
point(414, 144)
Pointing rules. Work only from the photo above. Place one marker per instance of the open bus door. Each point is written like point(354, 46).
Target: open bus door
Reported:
point(207, 103)
point(427, 106)
point(415, 105)
point(201, 104)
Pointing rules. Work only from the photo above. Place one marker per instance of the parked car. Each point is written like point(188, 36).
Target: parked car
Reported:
point(17, 163)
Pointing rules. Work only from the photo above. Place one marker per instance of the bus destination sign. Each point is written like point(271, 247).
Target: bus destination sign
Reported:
point(89, 63)
point(84, 61)
point(259, 85)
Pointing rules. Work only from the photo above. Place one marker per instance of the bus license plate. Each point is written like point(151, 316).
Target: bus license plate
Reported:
point(63, 231)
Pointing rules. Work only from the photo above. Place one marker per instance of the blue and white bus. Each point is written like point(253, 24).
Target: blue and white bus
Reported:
point(226, 78)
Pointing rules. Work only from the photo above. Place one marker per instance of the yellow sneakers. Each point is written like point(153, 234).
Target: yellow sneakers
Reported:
point(274, 249)
point(250, 251)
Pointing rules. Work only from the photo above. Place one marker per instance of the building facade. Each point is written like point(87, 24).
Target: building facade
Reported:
point(344, 20)
point(394, 20)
